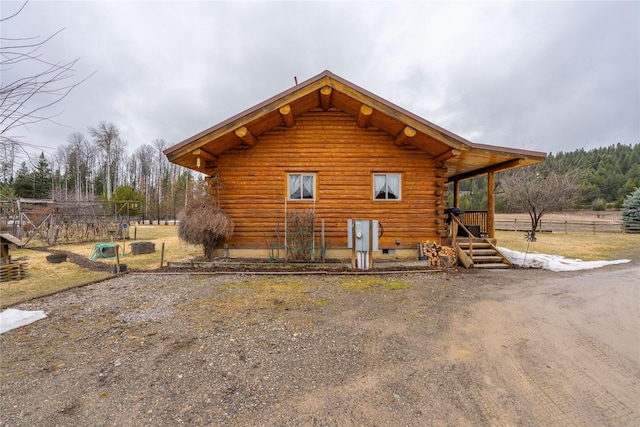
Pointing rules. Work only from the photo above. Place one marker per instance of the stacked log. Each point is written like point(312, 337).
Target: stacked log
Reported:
point(14, 271)
point(438, 256)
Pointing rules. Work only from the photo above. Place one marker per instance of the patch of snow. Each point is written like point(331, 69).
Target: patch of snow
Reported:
point(12, 318)
point(555, 262)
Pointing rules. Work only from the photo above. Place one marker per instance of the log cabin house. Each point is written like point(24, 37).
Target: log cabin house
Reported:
point(332, 147)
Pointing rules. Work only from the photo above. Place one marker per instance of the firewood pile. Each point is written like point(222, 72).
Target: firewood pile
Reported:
point(438, 256)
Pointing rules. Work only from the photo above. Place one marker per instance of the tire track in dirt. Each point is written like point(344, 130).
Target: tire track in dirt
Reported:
point(569, 392)
point(605, 355)
point(531, 348)
point(489, 406)
point(535, 385)
point(626, 375)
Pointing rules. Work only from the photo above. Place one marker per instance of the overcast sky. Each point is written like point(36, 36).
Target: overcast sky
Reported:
point(545, 76)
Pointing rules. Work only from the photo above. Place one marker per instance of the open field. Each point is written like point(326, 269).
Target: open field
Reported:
point(584, 246)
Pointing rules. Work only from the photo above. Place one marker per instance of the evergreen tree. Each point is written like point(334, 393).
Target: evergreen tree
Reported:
point(23, 182)
point(631, 212)
point(42, 179)
point(610, 172)
point(127, 193)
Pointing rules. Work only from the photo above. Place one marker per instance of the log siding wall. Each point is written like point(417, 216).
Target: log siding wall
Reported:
point(253, 183)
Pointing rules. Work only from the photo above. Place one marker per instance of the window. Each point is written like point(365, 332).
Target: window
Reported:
point(386, 186)
point(302, 186)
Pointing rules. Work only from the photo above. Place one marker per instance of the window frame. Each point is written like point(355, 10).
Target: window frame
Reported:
point(386, 186)
point(302, 175)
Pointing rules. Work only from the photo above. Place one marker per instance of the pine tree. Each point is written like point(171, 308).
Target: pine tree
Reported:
point(631, 212)
point(23, 182)
point(42, 179)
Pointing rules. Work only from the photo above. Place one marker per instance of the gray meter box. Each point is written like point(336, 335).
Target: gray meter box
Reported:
point(362, 234)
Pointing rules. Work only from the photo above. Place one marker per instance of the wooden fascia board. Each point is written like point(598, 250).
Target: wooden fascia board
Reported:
point(315, 83)
point(492, 168)
point(534, 156)
point(399, 114)
point(244, 118)
point(424, 126)
point(337, 83)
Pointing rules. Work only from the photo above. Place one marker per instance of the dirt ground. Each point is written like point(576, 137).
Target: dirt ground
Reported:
point(464, 348)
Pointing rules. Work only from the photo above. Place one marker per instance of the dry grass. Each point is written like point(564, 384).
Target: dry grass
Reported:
point(584, 246)
point(174, 248)
point(373, 284)
point(250, 299)
point(44, 277)
point(251, 296)
point(257, 293)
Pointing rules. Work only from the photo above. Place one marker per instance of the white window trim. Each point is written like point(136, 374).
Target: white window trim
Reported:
point(302, 175)
point(386, 175)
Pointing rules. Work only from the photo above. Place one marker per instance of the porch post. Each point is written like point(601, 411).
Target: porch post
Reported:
point(456, 194)
point(491, 205)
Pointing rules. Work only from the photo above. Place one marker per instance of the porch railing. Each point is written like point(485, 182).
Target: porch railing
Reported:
point(479, 218)
point(455, 225)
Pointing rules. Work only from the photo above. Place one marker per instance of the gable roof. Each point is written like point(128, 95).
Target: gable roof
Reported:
point(462, 158)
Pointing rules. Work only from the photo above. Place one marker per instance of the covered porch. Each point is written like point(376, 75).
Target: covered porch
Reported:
point(479, 161)
point(472, 232)
point(481, 223)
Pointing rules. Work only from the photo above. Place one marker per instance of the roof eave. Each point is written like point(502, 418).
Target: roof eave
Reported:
point(327, 78)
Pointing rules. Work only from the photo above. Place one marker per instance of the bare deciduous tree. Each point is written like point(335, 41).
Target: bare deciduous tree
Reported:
point(160, 145)
point(144, 158)
point(539, 191)
point(77, 156)
point(28, 99)
point(106, 136)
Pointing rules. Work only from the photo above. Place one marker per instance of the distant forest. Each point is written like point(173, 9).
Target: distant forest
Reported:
point(611, 174)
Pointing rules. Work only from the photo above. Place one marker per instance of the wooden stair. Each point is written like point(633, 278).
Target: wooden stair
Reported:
point(480, 253)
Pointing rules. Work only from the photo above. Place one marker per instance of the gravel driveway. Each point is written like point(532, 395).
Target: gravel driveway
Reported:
point(516, 347)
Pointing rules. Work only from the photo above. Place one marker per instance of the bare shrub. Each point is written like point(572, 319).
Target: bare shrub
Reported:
point(300, 226)
point(204, 223)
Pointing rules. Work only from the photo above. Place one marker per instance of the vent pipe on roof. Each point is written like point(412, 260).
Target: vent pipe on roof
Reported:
point(295, 79)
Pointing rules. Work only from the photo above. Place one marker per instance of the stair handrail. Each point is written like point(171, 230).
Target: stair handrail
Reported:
point(457, 223)
point(505, 259)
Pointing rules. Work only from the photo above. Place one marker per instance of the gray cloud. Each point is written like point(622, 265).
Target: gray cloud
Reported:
point(538, 75)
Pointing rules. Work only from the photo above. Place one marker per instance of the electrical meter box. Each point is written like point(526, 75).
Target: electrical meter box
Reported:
point(365, 229)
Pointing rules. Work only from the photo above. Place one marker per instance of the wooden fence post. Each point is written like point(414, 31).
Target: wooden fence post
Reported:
point(162, 255)
point(117, 247)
